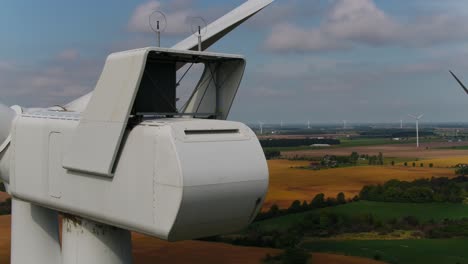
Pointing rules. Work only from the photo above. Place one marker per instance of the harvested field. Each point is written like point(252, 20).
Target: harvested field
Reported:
point(149, 250)
point(3, 196)
point(289, 183)
point(432, 150)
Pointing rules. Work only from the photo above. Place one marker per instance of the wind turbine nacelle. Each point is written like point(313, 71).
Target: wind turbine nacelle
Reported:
point(134, 161)
point(174, 179)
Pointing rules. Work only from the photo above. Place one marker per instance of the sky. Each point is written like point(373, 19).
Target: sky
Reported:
point(317, 60)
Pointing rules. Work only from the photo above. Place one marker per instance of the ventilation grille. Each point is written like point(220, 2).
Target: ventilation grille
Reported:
point(212, 132)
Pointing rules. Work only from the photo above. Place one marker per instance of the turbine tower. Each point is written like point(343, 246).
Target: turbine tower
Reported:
point(260, 124)
point(401, 124)
point(308, 124)
point(417, 118)
point(344, 124)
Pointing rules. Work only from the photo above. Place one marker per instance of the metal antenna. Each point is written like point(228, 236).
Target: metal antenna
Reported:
point(158, 23)
point(199, 28)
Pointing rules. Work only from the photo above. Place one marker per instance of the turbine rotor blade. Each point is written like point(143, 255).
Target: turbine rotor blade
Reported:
point(221, 27)
point(459, 82)
point(6, 118)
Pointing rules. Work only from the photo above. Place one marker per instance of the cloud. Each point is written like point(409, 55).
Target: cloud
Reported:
point(55, 81)
point(349, 23)
point(68, 55)
point(176, 14)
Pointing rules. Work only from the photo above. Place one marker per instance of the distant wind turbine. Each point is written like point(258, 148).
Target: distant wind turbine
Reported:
point(261, 127)
point(344, 124)
point(417, 118)
point(308, 124)
point(401, 124)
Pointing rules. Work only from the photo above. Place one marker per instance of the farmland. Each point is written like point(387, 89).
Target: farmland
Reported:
point(288, 182)
point(427, 251)
point(430, 150)
point(379, 210)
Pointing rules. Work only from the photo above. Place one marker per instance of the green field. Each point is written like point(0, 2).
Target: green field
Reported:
point(382, 211)
point(358, 142)
point(457, 148)
point(426, 251)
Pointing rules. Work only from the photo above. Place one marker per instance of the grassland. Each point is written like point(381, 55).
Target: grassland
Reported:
point(381, 211)
point(288, 182)
point(427, 251)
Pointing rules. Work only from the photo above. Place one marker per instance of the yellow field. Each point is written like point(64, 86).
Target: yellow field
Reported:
point(443, 162)
point(289, 183)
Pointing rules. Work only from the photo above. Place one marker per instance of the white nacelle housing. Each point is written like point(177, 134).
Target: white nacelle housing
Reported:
point(134, 161)
point(175, 178)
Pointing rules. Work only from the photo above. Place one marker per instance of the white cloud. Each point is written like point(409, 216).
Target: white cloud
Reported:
point(348, 23)
point(69, 55)
point(51, 82)
point(176, 19)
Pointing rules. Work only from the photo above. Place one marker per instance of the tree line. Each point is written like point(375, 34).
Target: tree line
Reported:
point(418, 191)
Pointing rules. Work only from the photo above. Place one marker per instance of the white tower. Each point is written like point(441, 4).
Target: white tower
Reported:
point(417, 118)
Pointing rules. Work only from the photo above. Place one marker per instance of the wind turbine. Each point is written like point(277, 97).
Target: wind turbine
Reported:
point(344, 124)
point(97, 153)
point(401, 124)
point(260, 124)
point(417, 118)
point(308, 124)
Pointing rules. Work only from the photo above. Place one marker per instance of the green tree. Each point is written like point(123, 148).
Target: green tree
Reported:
point(380, 159)
point(462, 170)
point(318, 201)
point(295, 207)
point(340, 198)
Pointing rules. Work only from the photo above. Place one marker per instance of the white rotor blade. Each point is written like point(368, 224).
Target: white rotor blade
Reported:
point(224, 25)
point(421, 116)
point(415, 117)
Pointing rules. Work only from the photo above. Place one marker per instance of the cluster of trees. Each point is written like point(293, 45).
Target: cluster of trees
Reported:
point(324, 224)
point(5, 207)
point(431, 165)
point(319, 201)
point(462, 170)
point(292, 142)
point(353, 159)
point(376, 159)
point(418, 191)
point(271, 154)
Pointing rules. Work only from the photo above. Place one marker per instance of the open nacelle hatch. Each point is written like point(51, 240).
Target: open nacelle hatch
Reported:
point(143, 82)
